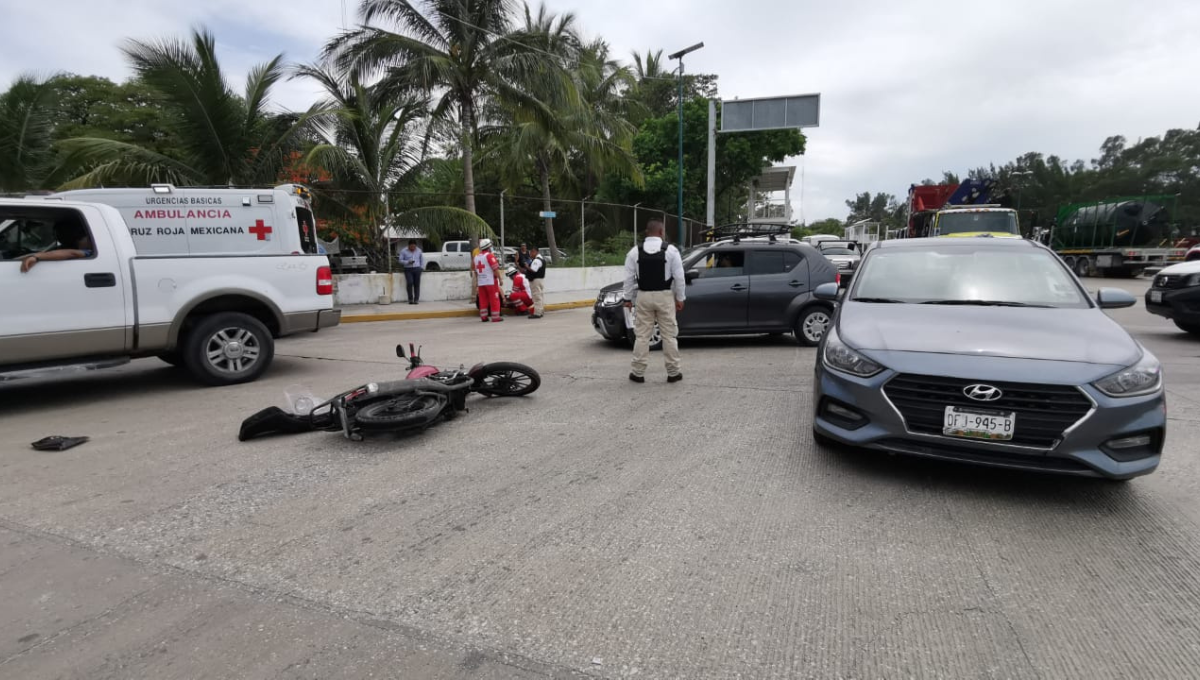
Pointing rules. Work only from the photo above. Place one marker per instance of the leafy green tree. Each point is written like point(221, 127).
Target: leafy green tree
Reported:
point(464, 51)
point(829, 225)
point(374, 145)
point(223, 137)
point(26, 134)
point(740, 158)
point(91, 106)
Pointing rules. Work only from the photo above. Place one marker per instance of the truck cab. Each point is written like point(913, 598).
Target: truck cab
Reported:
point(976, 220)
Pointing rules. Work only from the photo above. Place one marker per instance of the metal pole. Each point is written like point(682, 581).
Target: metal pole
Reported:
point(582, 234)
point(681, 150)
point(502, 253)
point(712, 164)
point(635, 225)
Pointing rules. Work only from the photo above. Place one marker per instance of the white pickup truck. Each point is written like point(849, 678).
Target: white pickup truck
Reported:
point(454, 255)
point(109, 302)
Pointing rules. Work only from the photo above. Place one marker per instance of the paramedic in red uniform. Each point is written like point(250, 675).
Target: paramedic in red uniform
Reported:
point(487, 271)
point(519, 297)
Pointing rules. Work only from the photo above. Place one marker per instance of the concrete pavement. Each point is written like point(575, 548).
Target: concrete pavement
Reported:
point(598, 528)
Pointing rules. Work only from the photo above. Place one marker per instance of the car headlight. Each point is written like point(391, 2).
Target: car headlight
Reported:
point(840, 357)
point(1144, 377)
point(611, 299)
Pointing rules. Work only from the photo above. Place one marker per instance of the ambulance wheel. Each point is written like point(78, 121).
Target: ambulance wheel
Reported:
point(228, 348)
point(655, 338)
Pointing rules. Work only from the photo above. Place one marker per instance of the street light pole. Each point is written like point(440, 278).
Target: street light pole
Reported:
point(679, 55)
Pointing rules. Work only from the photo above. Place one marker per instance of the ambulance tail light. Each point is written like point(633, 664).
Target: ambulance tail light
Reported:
point(324, 281)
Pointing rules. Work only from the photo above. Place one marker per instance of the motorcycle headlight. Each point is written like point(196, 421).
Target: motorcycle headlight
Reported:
point(840, 357)
point(612, 298)
point(1144, 377)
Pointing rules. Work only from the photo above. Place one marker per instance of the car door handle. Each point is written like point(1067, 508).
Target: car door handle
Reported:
point(738, 286)
point(100, 280)
point(795, 284)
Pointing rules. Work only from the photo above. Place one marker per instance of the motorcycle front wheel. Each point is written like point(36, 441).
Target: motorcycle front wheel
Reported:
point(507, 379)
point(401, 413)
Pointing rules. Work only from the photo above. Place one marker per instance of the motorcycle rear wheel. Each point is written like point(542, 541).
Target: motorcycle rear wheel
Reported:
point(507, 379)
point(401, 413)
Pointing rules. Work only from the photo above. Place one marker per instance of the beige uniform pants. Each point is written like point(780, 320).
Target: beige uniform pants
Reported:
point(537, 290)
point(655, 306)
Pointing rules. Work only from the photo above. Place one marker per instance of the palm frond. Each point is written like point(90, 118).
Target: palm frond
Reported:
point(25, 133)
point(442, 222)
point(107, 162)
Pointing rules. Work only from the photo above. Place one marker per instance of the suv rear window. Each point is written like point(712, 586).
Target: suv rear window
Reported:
point(764, 263)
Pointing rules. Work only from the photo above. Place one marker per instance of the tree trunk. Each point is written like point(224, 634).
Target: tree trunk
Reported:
point(468, 151)
point(468, 141)
point(552, 244)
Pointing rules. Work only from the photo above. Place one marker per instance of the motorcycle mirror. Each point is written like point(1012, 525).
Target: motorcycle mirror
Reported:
point(400, 350)
point(419, 348)
point(411, 350)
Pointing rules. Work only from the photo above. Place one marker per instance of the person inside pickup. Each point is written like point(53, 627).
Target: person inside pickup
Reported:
point(72, 242)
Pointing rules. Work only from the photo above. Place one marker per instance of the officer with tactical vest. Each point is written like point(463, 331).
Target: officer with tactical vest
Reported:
point(654, 288)
point(535, 271)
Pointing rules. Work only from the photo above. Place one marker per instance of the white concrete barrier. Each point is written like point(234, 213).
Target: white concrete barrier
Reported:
point(373, 289)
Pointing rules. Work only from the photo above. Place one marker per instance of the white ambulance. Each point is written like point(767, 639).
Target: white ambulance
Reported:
point(167, 220)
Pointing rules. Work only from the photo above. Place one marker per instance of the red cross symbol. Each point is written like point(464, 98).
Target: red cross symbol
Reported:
point(479, 267)
point(262, 231)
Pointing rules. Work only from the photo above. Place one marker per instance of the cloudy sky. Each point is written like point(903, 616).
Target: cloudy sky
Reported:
point(908, 89)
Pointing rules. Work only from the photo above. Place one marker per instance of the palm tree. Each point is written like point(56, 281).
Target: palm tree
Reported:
point(375, 145)
point(226, 138)
point(566, 128)
point(25, 134)
point(460, 50)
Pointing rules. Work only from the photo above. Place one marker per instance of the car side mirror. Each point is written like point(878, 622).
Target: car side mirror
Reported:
point(400, 351)
point(828, 292)
point(691, 275)
point(1114, 298)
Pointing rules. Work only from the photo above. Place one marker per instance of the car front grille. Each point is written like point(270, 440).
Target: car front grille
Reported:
point(1168, 281)
point(1043, 412)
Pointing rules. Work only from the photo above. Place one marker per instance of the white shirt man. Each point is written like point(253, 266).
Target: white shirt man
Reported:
point(656, 296)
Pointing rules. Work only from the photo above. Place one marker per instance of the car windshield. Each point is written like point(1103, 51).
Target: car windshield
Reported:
point(969, 222)
point(837, 251)
point(968, 276)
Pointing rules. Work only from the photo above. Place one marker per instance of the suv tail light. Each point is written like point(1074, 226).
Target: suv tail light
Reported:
point(838, 278)
point(324, 281)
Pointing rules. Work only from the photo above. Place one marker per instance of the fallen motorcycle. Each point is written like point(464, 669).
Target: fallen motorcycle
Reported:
point(426, 396)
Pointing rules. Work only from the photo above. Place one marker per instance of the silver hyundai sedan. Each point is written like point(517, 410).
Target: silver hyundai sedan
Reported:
point(987, 351)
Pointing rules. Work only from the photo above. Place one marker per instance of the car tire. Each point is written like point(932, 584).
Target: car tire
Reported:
point(1192, 328)
point(811, 325)
point(173, 358)
point(433, 267)
point(228, 348)
point(655, 338)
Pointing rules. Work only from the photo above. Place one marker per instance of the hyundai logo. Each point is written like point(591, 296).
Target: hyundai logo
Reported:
point(982, 392)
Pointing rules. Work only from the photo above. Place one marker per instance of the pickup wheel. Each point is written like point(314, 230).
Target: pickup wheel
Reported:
point(432, 267)
point(228, 348)
point(173, 358)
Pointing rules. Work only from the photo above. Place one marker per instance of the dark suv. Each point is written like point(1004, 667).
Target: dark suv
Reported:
point(738, 286)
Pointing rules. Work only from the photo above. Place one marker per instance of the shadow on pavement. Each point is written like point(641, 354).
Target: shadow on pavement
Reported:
point(1057, 492)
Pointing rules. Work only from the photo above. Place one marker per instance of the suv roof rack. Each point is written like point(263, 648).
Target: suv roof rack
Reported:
point(736, 232)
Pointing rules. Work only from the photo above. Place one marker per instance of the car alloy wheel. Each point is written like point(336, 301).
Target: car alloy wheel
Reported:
point(812, 326)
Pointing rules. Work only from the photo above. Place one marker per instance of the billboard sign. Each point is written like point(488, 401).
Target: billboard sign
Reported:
point(771, 113)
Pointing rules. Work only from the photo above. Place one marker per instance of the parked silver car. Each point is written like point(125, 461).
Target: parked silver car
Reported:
point(987, 351)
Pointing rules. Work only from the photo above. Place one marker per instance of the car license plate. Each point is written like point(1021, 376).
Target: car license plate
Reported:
point(970, 424)
point(628, 317)
point(1156, 296)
